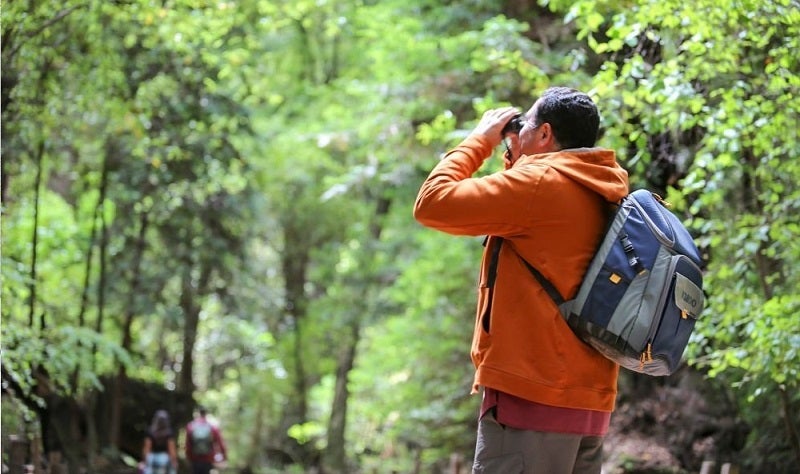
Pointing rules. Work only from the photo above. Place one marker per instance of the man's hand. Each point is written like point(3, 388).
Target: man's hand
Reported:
point(492, 124)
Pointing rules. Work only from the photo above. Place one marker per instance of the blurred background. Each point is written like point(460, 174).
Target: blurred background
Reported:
point(209, 201)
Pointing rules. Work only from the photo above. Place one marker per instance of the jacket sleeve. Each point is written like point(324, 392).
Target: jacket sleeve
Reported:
point(220, 443)
point(452, 201)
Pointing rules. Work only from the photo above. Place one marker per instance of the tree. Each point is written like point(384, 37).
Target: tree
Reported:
point(149, 193)
point(212, 200)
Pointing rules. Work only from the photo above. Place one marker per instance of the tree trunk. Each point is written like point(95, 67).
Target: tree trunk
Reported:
point(791, 429)
point(87, 276)
point(101, 281)
point(191, 306)
point(35, 236)
point(8, 82)
point(91, 427)
point(127, 337)
point(294, 264)
point(335, 456)
point(256, 446)
point(300, 389)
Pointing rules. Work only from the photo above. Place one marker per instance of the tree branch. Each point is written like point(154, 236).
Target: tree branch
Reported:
point(59, 16)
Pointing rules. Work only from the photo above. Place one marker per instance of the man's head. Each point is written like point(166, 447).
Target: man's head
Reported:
point(202, 411)
point(561, 118)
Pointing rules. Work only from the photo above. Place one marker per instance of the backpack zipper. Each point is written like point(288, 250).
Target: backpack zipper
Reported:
point(662, 237)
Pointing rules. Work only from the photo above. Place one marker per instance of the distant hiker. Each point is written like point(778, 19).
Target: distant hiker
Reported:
point(204, 445)
point(159, 454)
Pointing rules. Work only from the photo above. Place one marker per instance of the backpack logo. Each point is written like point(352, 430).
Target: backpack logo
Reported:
point(687, 298)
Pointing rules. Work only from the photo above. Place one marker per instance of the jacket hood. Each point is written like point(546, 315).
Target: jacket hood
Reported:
point(594, 168)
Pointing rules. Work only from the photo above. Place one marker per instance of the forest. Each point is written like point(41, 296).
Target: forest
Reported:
point(210, 202)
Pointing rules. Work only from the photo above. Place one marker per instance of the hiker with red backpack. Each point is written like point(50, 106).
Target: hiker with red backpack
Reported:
point(204, 444)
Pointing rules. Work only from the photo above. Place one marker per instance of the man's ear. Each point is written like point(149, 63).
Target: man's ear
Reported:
point(544, 131)
point(547, 138)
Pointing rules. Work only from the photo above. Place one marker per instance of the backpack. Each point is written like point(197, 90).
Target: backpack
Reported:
point(202, 438)
point(642, 292)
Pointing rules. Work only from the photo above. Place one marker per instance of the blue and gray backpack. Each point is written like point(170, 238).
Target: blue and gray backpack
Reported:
point(643, 290)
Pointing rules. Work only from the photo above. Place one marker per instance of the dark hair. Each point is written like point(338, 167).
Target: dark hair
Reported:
point(160, 426)
point(572, 115)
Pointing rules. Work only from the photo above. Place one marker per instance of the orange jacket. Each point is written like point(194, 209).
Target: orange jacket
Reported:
point(550, 208)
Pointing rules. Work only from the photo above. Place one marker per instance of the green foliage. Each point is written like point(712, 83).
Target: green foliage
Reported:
point(746, 158)
point(256, 161)
point(59, 349)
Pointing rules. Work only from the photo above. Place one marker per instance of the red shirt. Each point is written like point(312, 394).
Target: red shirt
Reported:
point(526, 415)
point(218, 445)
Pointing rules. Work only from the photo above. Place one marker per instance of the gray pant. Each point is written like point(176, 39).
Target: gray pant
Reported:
point(504, 450)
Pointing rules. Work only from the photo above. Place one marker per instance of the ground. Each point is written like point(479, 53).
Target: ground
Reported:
point(671, 425)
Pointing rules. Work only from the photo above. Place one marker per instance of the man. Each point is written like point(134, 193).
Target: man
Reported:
point(204, 445)
point(547, 397)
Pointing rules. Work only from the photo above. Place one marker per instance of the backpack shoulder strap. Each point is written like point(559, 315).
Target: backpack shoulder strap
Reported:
point(492, 276)
point(497, 242)
point(548, 287)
